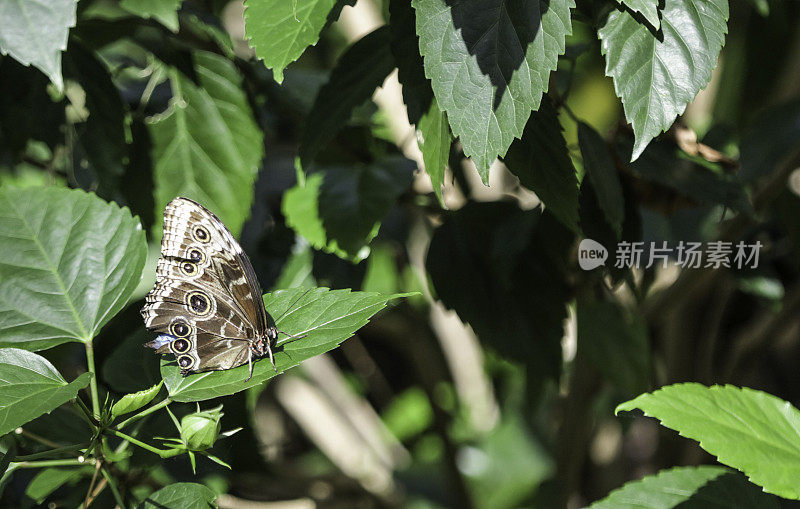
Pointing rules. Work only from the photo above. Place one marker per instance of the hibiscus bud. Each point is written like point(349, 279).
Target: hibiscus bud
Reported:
point(200, 430)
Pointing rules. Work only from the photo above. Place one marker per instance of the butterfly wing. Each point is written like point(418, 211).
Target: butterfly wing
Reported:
point(206, 303)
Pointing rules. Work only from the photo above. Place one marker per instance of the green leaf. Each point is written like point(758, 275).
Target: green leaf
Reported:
point(746, 429)
point(502, 270)
point(130, 367)
point(68, 263)
point(328, 317)
point(602, 172)
point(280, 30)
point(186, 495)
point(434, 141)
point(359, 71)
point(339, 209)
point(132, 402)
point(35, 33)
point(656, 78)
point(541, 162)
point(663, 164)
point(31, 386)
point(647, 8)
point(615, 343)
point(164, 11)
point(489, 62)
point(207, 145)
point(50, 479)
point(100, 147)
point(704, 487)
point(417, 91)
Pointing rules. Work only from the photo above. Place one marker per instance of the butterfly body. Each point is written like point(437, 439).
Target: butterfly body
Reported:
point(206, 304)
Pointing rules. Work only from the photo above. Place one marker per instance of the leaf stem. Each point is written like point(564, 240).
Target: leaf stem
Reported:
point(57, 450)
point(164, 453)
point(86, 413)
point(93, 381)
point(145, 412)
point(37, 438)
point(112, 483)
point(73, 462)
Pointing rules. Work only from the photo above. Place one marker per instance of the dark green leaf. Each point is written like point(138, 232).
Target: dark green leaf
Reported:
point(772, 138)
point(417, 91)
point(615, 343)
point(101, 146)
point(186, 495)
point(746, 429)
point(489, 62)
point(656, 78)
point(435, 145)
point(359, 71)
point(31, 386)
point(602, 172)
point(502, 270)
point(328, 317)
point(704, 487)
point(39, 33)
point(340, 208)
point(50, 479)
point(131, 367)
point(134, 401)
point(280, 30)
point(541, 162)
point(164, 11)
point(68, 263)
point(207, 146)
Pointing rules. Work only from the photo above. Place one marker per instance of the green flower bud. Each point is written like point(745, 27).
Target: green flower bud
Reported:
point(200, 430)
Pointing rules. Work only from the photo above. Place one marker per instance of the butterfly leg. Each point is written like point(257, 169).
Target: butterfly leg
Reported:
point(250, 364)
point(272, 360)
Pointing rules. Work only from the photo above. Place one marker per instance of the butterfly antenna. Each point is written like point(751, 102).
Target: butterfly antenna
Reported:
point(292, 305)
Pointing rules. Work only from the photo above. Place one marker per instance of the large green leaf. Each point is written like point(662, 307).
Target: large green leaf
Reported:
point(207, 146)
point(647, 8)
point(35, 33)
point(280, 30)
point(328, 317)
point(656, 78)
point(50, 479)
point(704, 487)
point(31, 386)
point(339, 208)
point(434, 141)
point(186, 495)
point(615, 343)
point(359, 71)
point(746, 429)
point(502, 270)
point(68, 263)
point(541, 162)
point(601, 170)
point(489, 62)
point(165, 11)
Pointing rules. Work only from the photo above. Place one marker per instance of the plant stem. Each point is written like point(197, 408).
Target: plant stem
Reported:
point(85, 412)
point(164, 453)
point(76, 462)
point(145, 412)
point(34, 436)
point(112, 483)
point(58, 450)
point(93, 381)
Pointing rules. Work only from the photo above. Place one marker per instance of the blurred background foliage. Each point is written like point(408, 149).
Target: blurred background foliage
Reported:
point(420, 410)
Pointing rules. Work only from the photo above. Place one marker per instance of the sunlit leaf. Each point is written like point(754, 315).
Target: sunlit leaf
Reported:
point(30, 386)
point(434, 134)
point(35, 33)
point(656, 78)
point(647, 8)
point(746, 429)
point(704, 487)
point(134, 401)
point(489, 62)
point(68, 263)
point(164, 11)
point(207, 146)
point(328, 317)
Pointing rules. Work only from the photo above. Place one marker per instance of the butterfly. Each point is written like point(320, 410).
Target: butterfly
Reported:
point(206, 304)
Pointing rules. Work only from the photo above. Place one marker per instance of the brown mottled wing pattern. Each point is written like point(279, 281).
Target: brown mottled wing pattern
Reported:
point(206, 303)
